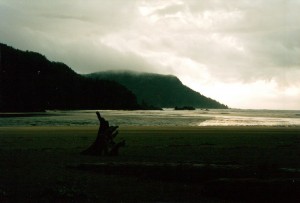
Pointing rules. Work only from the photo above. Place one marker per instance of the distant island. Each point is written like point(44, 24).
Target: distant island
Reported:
point(165, 91)
point(184, 108)
point(29, 82)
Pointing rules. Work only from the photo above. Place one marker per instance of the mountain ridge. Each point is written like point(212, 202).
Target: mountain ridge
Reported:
point(157, 89)
point(30, 82)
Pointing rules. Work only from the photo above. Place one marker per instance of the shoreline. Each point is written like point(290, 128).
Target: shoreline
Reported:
point(128, 127)
point(170, 118)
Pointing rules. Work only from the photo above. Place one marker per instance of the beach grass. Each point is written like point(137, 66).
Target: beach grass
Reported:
point(39, 164)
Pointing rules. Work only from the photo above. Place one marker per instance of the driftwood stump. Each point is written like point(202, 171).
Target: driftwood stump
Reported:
point(104, 143)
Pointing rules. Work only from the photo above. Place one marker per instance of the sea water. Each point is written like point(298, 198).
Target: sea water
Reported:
point(166, 117)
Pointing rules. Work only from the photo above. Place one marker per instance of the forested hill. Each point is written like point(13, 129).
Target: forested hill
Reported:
point(30, 82)
point(158, 90)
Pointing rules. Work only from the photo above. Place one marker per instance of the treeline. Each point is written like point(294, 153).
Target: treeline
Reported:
point(30, 82)
point(159, 90)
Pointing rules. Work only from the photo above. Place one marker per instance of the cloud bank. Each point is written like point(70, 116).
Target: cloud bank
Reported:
point(242, 53)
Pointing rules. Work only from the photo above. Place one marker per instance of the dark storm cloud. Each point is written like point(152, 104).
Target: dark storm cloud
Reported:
point(230, 42)
point(69, 31)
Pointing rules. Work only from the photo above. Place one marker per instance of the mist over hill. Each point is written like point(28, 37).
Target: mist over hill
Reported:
point(158, 90)
point(30, 82)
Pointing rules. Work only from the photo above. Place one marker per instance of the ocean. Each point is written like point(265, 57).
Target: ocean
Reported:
point(166, 117)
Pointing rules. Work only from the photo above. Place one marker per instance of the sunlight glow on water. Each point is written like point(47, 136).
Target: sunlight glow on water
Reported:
point(250, 121)
point(167, 117)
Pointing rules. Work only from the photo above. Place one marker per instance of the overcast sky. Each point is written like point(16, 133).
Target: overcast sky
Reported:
point(243, 53)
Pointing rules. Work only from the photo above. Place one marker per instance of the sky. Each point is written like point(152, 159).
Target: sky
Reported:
point(243, 53)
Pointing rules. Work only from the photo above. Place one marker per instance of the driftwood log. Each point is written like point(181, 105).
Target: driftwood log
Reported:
point(104, 143)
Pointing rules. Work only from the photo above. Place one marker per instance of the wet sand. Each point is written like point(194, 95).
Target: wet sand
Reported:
point(34, 163)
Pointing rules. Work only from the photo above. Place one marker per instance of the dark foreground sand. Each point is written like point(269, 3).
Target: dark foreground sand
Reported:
point(39, 164)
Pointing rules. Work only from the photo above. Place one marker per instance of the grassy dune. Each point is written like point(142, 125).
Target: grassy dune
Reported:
point(34, 164)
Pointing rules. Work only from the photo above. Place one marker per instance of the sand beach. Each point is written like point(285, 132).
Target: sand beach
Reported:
point(40, 164)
